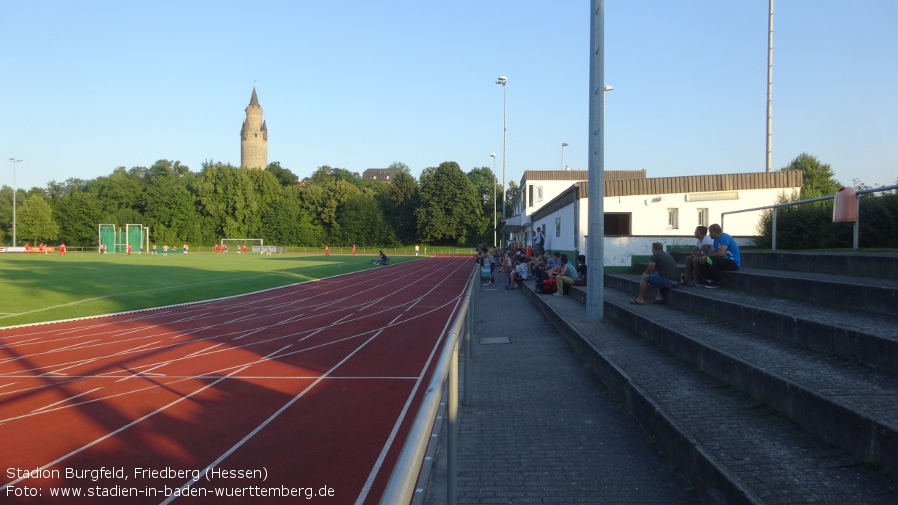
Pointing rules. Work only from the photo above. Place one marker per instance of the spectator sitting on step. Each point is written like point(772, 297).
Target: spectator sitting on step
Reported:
point(553, 264)
point(581, 271)
point(723, 257)
point(662, 273)
point(537, 263)
point(693, 261)
point(567, 274)
point(520, 273)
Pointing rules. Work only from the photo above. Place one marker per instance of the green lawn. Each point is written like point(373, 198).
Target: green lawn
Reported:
point(51, 287)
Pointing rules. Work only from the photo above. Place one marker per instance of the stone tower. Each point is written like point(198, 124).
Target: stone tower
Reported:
point(254, 136)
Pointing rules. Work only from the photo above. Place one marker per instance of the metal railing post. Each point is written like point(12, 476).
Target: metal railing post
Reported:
point(773, 230)
point(452, 454)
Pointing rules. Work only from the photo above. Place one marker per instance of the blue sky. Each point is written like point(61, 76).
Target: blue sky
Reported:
point(92, 85)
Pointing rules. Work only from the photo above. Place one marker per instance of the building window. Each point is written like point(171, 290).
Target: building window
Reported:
point(557, 226)
point(673, 219)
point(539, 193)
point(702, 217)
point(530, 195)
point(617, 224)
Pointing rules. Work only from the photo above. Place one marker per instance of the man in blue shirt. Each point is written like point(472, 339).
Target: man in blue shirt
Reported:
point(723, 256)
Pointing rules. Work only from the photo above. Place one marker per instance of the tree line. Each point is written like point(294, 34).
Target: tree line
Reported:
point(445, 206)
point(811, 226)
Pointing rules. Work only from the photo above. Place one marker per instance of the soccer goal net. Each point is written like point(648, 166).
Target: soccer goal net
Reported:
point(114, 238)
point(253, 245)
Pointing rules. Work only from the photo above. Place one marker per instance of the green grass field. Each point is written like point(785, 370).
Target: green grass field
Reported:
point(49, 287)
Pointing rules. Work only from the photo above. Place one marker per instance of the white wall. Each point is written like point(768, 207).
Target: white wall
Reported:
point(649, 222)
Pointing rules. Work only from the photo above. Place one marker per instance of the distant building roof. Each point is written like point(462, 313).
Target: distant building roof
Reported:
point(380, 174)
point(579, 175)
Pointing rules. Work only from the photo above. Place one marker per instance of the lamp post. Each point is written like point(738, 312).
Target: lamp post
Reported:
point(563, 145)
point(495, 216)
point(501, 81)
point(14, 191)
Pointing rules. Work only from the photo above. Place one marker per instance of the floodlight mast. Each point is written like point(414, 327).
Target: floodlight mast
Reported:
point(495, 212)
point(502, 81)
point(14, 191)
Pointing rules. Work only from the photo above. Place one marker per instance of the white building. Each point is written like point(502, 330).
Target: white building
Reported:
point(640, 210)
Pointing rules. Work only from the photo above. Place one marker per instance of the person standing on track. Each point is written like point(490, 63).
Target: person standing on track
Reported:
point(327, 250)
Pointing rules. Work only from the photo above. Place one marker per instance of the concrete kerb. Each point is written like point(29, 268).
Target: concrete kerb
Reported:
point(713, 483)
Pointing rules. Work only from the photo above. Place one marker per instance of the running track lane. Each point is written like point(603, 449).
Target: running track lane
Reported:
point(311, 385)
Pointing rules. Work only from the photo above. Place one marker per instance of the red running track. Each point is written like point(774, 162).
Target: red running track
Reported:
point(308, 389)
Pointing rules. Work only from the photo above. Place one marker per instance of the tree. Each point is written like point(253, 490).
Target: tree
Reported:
point(511, 196)
point(484, 180)
point(78, 214)
point(450, 209)
point(121, 190)
point(818, 178)
point(284, 176)
point(35, 220)
point(399, 199)
point(361, 222)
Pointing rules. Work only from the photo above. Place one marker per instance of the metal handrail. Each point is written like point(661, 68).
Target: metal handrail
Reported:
point(401, 485)
point(809, 200)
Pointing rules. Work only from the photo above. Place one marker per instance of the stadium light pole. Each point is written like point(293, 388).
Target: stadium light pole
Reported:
point(563, 145)
point(495, 215)
point(14, 191)
point(595, 246)
point(769, 86)
point(502, 81)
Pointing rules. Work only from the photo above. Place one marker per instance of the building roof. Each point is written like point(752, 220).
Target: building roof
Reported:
point(579, 175)
point(784, 179)
point(380, 174)
point(254, 100)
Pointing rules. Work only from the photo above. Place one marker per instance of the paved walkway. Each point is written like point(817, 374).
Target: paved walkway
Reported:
point(540, 427)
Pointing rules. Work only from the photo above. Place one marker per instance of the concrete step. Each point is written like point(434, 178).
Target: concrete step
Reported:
point(853, 264)
point(733, 447)
point(868, 339)
point(756, 352)
point(873, 295)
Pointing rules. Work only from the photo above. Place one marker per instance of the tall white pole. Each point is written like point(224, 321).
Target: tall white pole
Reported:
point(14, 191)
point(563, 145)
point(595, 248)
point(770, 86)
point(502, 81)
point(495, 212)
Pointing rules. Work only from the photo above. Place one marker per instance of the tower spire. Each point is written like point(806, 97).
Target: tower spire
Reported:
point(254, 136)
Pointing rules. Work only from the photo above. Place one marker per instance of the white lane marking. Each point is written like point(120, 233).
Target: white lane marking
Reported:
point(65, 400)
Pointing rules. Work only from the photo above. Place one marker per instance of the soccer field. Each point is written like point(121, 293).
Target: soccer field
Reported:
point(49, 287)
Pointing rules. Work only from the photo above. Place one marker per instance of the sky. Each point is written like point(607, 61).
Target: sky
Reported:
point(92, 85)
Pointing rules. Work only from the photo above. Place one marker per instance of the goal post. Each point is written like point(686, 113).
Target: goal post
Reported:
point(253, 245)
point(135, 236)
point(116, 239)
point(105, 236)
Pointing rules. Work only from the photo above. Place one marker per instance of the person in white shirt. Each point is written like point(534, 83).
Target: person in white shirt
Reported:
point(521, 272)
point(704, 242)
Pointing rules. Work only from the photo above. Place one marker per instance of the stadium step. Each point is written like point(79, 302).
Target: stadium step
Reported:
point(757, 398)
